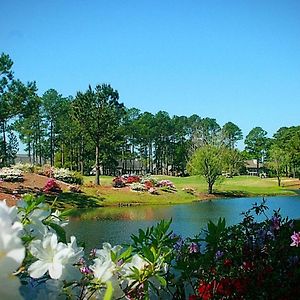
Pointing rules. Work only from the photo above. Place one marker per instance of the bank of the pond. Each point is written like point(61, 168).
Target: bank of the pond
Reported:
point(188, 190)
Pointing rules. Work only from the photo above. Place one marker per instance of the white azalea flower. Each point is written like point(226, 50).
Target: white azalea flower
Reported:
point(104, 254)
point(12, 253)
point(55, 218)
point(56, 258)
point(8, 214)
point(36, 227)
point(103, 271)
point(136, 262)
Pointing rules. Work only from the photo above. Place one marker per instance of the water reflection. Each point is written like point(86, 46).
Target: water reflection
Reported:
point(117, 224)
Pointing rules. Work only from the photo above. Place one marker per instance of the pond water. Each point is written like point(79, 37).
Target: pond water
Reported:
point(116, 224)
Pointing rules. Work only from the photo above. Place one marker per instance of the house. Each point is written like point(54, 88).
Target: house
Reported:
point(251, 167)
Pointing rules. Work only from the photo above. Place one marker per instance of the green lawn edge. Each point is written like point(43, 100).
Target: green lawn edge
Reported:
point(104, 195)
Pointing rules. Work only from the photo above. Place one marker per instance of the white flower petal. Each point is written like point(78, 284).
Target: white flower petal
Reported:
point(38, 269)
point(55, 270)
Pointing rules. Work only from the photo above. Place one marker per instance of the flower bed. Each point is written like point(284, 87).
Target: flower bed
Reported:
point(143, 184)
point(11, 175)
point(250, 260)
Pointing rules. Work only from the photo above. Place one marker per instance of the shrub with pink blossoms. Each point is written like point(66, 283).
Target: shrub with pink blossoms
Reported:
point(52, 186)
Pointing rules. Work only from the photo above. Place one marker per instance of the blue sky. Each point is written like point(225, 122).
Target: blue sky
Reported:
point(235, 61)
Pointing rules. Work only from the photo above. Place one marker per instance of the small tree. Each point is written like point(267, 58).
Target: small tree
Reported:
point(207, 162)
point(277, 161)
point(233, 161)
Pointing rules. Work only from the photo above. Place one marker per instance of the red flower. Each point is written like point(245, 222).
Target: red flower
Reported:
point(224, 287)
point(193, 297)
point(205, 290)
point(227, 262)
point(247, 265)
point(240, 285)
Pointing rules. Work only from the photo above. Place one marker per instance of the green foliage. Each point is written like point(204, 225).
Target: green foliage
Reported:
point(256, 143)
point(231, 133)
point(99, 114)
point(207, 161)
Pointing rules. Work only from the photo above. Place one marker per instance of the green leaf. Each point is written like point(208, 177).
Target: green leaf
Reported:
point(59, 231)
point(161, 280)
point(126, 254)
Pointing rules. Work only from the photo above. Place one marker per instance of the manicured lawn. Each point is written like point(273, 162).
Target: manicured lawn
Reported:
point(236, 186)
point(105, 195)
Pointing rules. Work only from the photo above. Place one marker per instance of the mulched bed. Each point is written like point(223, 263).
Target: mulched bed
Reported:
point(33, 184)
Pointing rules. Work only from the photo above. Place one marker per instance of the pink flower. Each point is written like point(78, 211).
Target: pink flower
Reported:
point(296, 239)
point(193, 248)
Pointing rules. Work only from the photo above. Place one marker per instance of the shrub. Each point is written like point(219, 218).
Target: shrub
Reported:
point(149, 178)
point(250, 260)
point(153, 191)
point(166, 183)
point(67, 176)
point(132, 179)
point(148, 184)
point(52, 186)
point(138, 187)
point(118, 182)
point(27, 168)
point(11, 175)
point(45, 170)
point(189, 190)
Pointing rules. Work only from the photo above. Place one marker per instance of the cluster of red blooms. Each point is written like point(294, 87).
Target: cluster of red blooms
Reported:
point(51, 186)
point(226, 287)
point(132, 179)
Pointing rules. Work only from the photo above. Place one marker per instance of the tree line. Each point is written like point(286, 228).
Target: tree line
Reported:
point(94, 129)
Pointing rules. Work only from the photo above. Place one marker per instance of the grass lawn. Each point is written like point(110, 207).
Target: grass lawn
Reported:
point(239, 186)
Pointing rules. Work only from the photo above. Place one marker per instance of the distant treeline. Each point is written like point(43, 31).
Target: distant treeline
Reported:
point(94, 129)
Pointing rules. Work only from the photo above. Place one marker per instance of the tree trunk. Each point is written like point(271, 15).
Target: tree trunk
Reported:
point(257, 166)
point(4, 144)
point(278, 180)
point(29, 151)
point(82, 157)
point(210, 188)
point(51, 143)
point(97, 178)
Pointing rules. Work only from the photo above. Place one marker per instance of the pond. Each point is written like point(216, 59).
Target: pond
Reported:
point(116, 224)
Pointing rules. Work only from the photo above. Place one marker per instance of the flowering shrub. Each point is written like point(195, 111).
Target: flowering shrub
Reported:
point(67, 176)
point(132, 179)
point(11, 174)
point(45, 170)
point(249, 260)
point(148, 184)
point(246, 261)
point(166, 183)
point(24, 167)
point(149, 178)
point(139, 187)
point(52, 186)
point(153, 191)
point(118, 182)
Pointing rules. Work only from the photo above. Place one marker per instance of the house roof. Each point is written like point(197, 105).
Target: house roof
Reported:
point(252, 163)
